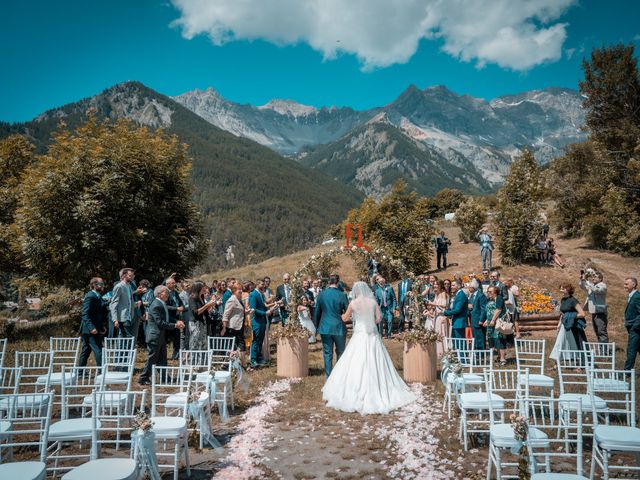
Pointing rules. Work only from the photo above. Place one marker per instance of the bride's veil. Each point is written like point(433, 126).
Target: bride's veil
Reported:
point(361, 291)
point(363, 305)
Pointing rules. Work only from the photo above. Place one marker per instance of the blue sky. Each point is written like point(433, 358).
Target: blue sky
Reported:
point(58, 52)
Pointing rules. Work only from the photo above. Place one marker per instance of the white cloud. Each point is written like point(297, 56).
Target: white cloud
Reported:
point(515, 34)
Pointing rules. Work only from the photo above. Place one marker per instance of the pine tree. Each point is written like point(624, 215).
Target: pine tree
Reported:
point(518, 212)
point(470, 216)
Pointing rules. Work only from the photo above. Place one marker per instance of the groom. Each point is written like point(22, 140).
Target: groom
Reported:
point(330, 306)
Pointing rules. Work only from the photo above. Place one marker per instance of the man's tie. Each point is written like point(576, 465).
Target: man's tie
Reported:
point(384, 297)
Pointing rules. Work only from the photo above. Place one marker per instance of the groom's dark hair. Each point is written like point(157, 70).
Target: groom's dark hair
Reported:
point(334, 279)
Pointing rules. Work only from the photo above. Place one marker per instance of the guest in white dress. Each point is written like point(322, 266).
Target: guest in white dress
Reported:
point(304, 316)
point(364, 380)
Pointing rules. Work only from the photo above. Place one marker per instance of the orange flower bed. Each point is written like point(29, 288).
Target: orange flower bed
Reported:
point(532, 300)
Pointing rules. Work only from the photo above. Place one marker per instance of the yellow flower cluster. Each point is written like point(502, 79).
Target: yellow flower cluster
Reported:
point(532, 300)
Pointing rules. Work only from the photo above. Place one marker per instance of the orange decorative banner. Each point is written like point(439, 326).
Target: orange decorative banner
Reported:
point(349, 234)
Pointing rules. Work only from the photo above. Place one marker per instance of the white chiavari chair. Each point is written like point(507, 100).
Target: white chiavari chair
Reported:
point(35, 369)
point(29, 419)
point(119, 343)
point(118, 366)
point(530, 355)
point(222, 384)
point(74, 427)
point(170, 388)
point(618, 388)
point(573, 372)
point(603, 354)
point(66, 351)
point(453, 384)
point(3, 351)
point(111, 426)
point(561, 454)
point(198, 363)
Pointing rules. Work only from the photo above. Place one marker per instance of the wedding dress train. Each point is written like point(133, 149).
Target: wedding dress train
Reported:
point(364, 380)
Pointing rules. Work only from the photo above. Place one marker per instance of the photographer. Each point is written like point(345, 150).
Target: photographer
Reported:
point(596, 303)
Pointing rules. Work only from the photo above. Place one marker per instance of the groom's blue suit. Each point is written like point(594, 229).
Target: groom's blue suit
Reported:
point(330, 306)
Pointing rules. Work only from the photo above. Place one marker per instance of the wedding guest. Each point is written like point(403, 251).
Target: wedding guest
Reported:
point(553, 254)
point(541, 245)
point(230, 282)
point(512, 304)
point(458, 310)
point(233, 320)
point(478, 309)
point(596, 303)
point(175, 307)
point(283, 294)
point(447, 287)
point(304, 315)
point(486, 247)
point(496, 309)
point(434, 313)
point(93, 322)
point(495, 281)
point(259, 313)
point(372, 269)
point(485, 282)
point(404, 291)
point(268, 293)
point(572, 318)
point(442, 248)
point(121, 304)
point(185, 286)
point(315, 291)
point(632, 321)
point(386, 298)
point(198, 306)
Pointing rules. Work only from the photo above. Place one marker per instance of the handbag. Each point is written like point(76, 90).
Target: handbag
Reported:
point(504, 325)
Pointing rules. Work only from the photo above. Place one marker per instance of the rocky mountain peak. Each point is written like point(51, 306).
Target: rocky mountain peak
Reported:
point(288, 107)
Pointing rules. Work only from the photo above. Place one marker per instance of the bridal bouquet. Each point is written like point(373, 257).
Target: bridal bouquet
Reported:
point(419, 335)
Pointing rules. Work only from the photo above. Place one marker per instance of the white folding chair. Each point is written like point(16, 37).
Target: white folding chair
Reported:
point(453, 382)
point(530, 354)
point(3, 351)
point(512, 386)
point(65, 353)
point(111, 423)
point(118, 365)
point(222, 384)
point(563, 440)
point(618, 387)
point(573, 371)
point(29, 419)
point(169, 398)
point(74, 427)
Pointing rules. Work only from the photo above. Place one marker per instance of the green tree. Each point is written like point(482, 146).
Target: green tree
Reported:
point(518, 212)
point(398, 222)
point(448, 200)
point(16, 154)
point(470, 216)
point(106, 196)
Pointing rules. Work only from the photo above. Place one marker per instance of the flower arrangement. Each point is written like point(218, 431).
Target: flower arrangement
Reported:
point(292, 329)
point(142, 421)
point(451, 363)
point(520, 429)
point(534, 301)
point(419, 335)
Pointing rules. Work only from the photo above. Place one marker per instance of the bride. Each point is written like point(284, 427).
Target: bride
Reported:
point(364, 380)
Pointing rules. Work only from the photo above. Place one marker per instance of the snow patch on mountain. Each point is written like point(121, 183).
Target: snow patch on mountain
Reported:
point(288, 107)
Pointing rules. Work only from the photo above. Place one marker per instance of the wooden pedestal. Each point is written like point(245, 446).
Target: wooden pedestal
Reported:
point(420, 363)
point(293, 357)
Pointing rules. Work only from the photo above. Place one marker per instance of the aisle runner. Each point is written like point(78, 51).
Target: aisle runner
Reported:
point(412, 436)
point(246, 447)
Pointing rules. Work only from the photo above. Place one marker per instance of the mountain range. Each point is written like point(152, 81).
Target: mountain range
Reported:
point(431, 138)
point(273, 178)
point(251, 197)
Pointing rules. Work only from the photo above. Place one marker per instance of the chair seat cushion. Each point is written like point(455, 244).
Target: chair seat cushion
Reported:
point(222, 376)
point(502, 436)
point(600, 404)
point(557, 476)
point(72, 428)
point(165, 427)
point(110, 400)
point(177, 400)
point(610, 385)
point(5, 426)
point(539, 380)
point(105, 469)
point(31, 400)
point(203, 377)
point(480, 400)
point(23, 470)
point(113, 377)
point(56, 379)
point(614, 437)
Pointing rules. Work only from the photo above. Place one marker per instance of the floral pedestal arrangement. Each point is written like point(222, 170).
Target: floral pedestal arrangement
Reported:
point(420, 361)
point(293, 351)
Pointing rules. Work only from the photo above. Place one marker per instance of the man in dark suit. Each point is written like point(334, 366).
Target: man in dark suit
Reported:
point(283, 293)
point(330, 305)
point(157, 323)
point(93, 322)
point(632, 321)
point(175, 308)
point(386, 298)
point(458, 312)
point(259, 313)
point(404, 287)
point(442, 248)
point(478, 309)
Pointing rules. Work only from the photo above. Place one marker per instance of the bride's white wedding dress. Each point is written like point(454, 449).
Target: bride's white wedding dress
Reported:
point(364, 380)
